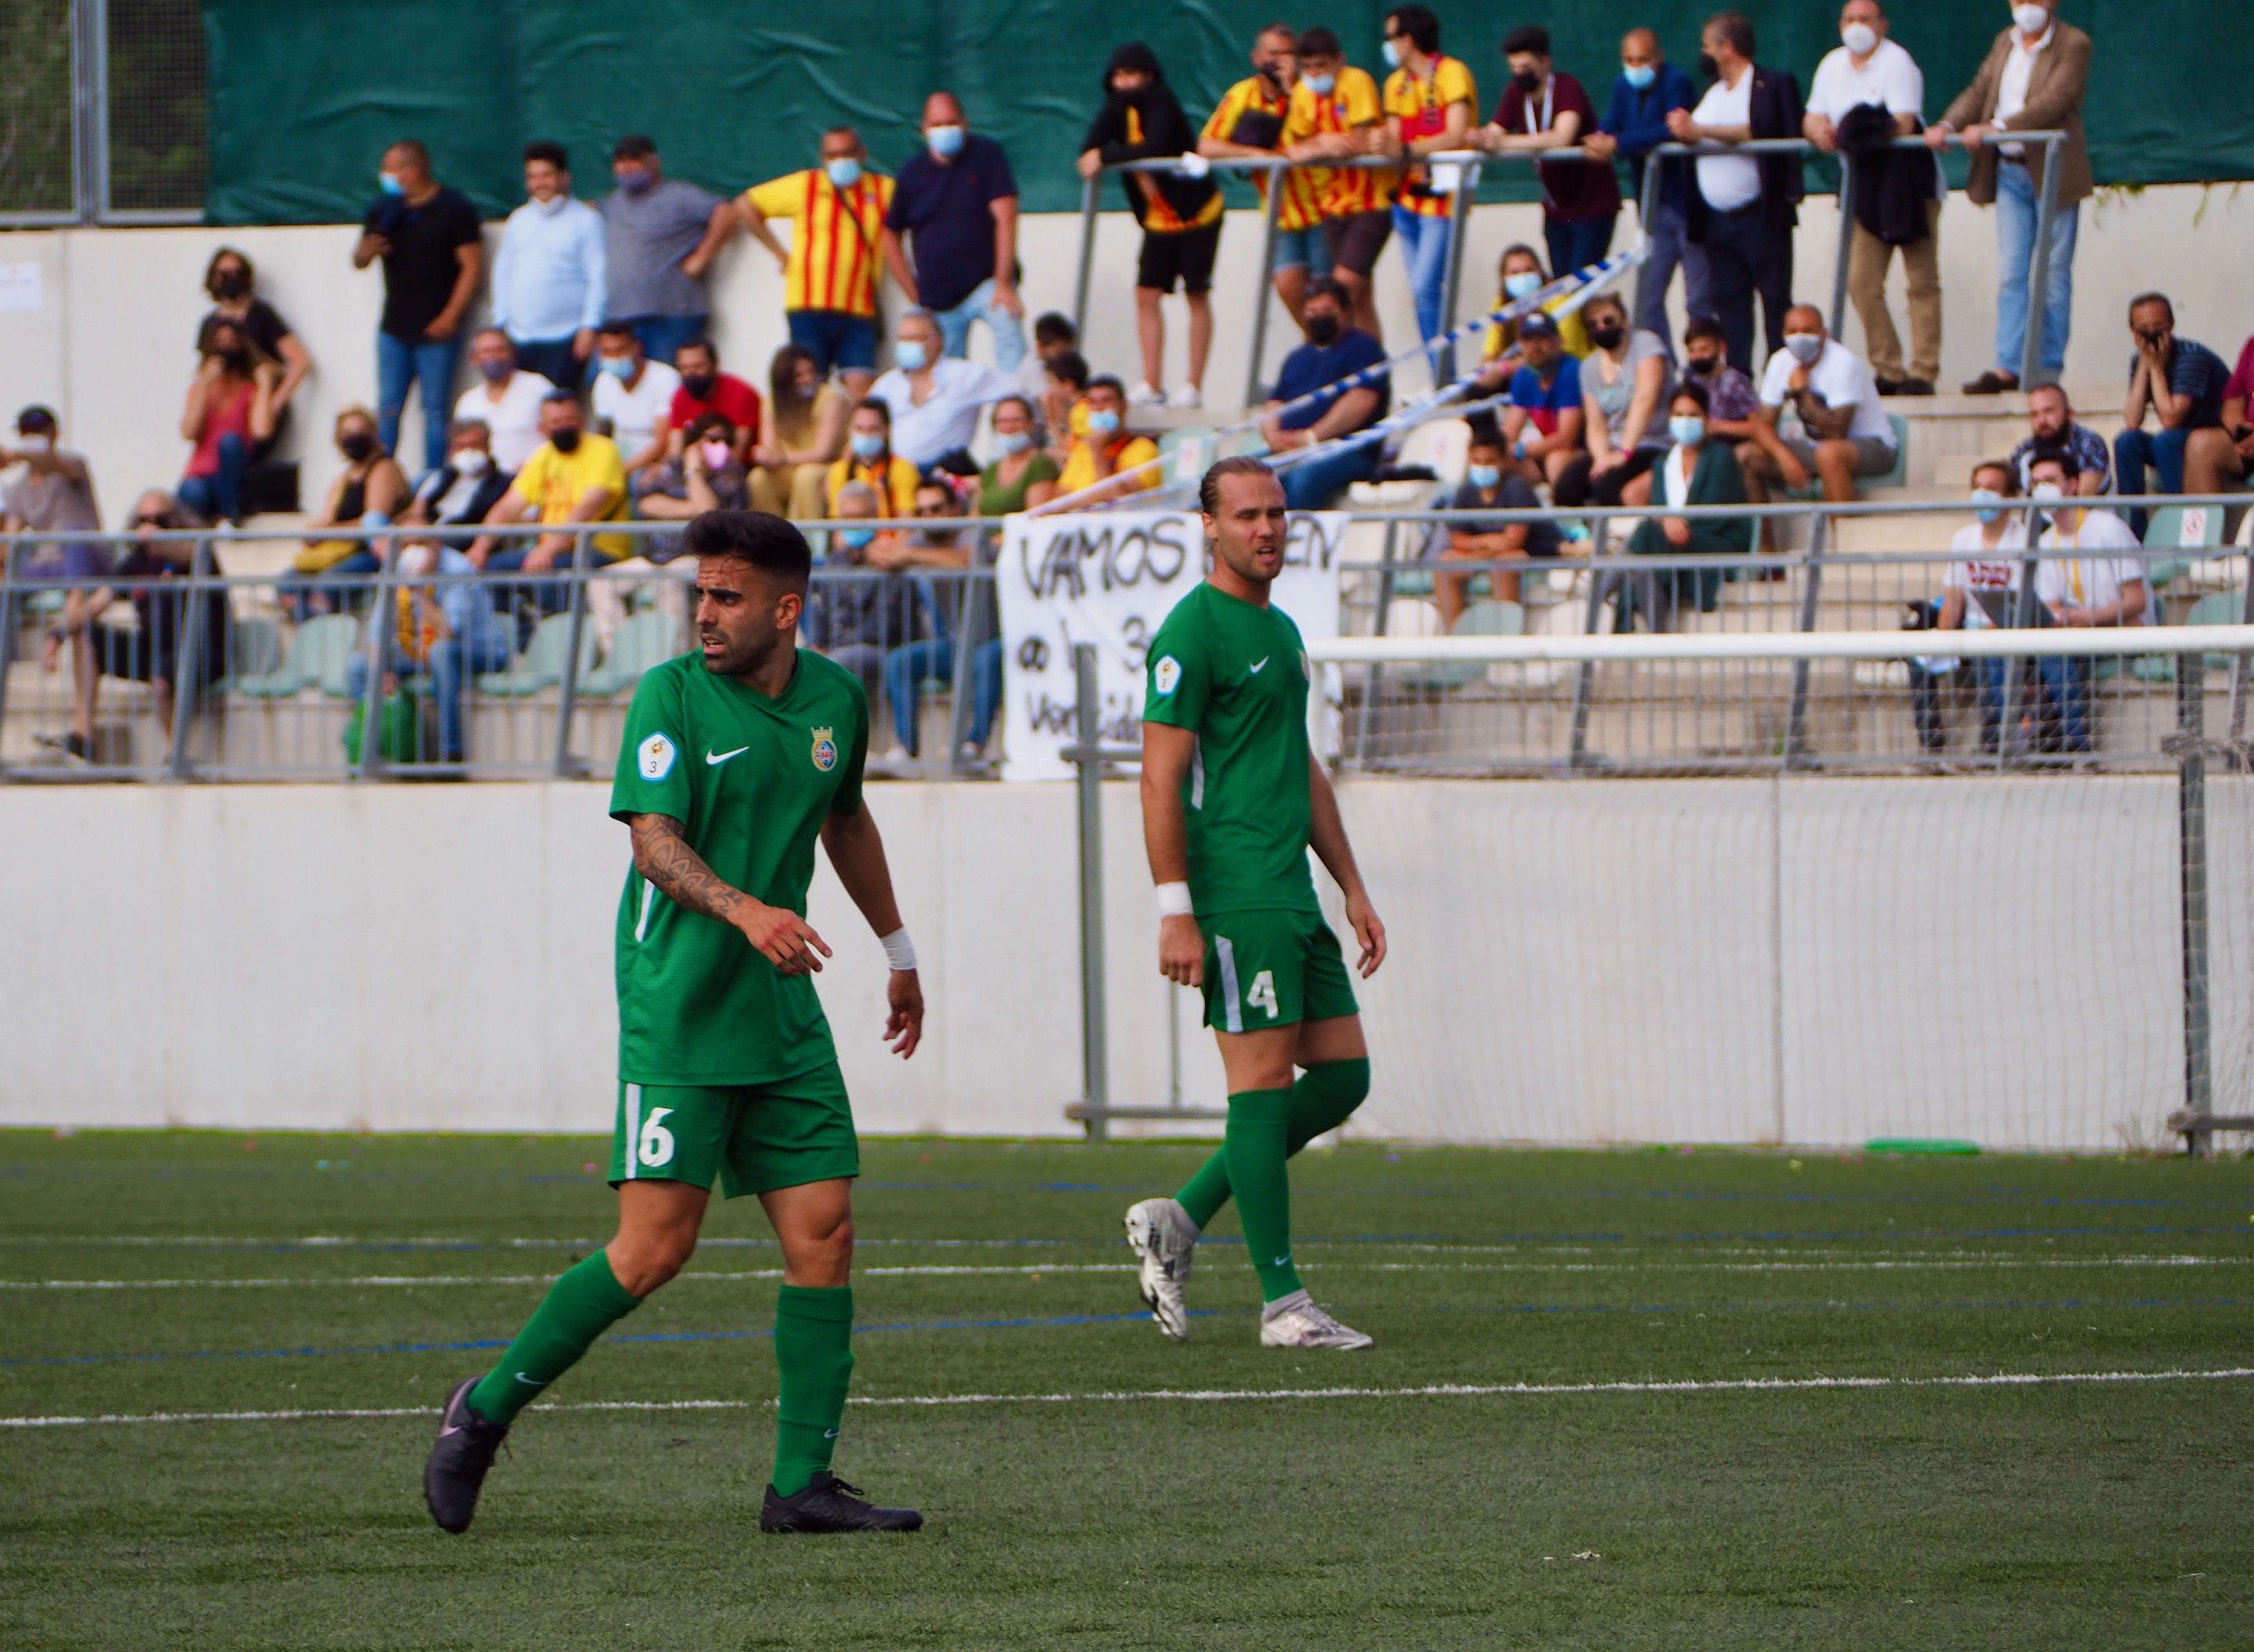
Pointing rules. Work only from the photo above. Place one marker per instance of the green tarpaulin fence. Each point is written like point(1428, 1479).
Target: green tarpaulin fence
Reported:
point(304, 97)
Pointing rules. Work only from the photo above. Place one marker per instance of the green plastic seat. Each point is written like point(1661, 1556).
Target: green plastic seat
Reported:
point(254, 650)
point(642, 642)
point(541, 666)
point(2223, 608)
point(319, 656)
point(1480, 619)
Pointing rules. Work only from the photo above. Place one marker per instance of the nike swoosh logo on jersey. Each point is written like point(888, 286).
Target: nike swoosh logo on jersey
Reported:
point(716, 760)
point(529, 1382)
point(1263, 660)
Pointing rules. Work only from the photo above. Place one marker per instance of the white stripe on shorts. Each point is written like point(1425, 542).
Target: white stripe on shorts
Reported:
point(633, 1127)
point(648, 895)
point(1229, 982)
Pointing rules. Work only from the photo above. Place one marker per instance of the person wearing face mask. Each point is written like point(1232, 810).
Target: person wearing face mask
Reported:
point(370, 492)
point(1431, 104)
point(230, 412)
point(2079, 589)
point(856, 621)
point(1697, 469)
point(2181, 387)
point(1743, 207)
point(441, 625)
point(1842, 432)
point(705, 474)
point(803, 435)
point(573, 478)
point(1625, 384)
point(1180, 211)
point(551, 276)
point(2051, 423)
point(834, 262)
point(868, 458)
point(1021, 474)
point(459, 492)
point(1110, 462)
point(951, 234)
point(1252, 119)
point(1977, 591)
point(1544, 109)
point(2033, 78)
point(977, 624)
point(432, 248)
point(1867, 92)
point(506, 399)
point(1336, 113)
point(660, 236)
point(1648, 89)
point(1542, 426)
point(1521, 277)
point(704, 389)
point(634, 393)
point(1731, 401)
point(936, 398)
point(1312, 403)
point(1491, 482)
point(231, 281)
point(51, 491)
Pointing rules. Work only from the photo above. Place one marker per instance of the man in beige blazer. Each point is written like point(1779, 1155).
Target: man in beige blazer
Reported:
point(2032, 82)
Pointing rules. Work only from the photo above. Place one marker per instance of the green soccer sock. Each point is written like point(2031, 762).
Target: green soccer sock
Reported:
point(1324, 1098)
point(1259, 1126)
point(813, 1350)
point(587, 1301)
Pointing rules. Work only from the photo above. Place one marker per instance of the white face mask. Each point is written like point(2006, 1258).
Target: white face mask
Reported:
point(1805, 347)
point(2032, 20)
point(1860, 39)
point(42, 443)
point(471, 462)
point(2047, 491)
point(415, 561)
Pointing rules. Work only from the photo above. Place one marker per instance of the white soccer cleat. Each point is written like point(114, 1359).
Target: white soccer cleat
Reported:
point(1295, 1321)
point(1163, 1240)
point(1186, 398)
point(1147, 395)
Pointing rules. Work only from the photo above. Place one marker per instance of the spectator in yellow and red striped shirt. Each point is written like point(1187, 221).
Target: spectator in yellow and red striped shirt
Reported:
point(1252, 119)
point(1336, 114)
point(833, 263)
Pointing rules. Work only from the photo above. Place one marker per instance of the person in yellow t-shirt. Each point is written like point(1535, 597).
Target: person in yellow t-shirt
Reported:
point(833, 263)
point(1522, 277)
point(573, 476)
point(1109, 457)
point(1337, 114)
point(869, 458)
point(1252, 119)
point(1432, 103)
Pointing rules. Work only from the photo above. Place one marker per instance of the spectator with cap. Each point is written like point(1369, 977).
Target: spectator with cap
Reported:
point(634, 393)
point(1648, 90)
point(506, 399)
point(951, 234)
point(1337, 114)
point(831, 268)
point(1543, 425)
point(52, 492)
point(1110, 462)
point(1843, 433)
point(704, 389)
point(1491, 482)
point(1251, 120)
point(1743, 207)
point(659, 237)
point(2032, 81)
point(2051, 423)
point(1544, 108)
point(1868, 91)
point(869, 459)
point(1731, 400)
point(803, 437)
point(1180, 211)
point(1431, 104)
point(433, 251)
point(230, 412)
point(935, 399)
point(551, 276)
point(459, 492)
point(2180, 385)
point(1332, 387)
point(231, 281)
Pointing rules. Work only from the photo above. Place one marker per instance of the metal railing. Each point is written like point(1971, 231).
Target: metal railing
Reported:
point(105, 104)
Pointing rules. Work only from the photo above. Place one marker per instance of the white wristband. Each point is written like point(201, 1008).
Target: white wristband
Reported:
point(1174, 901)
point(899, 951)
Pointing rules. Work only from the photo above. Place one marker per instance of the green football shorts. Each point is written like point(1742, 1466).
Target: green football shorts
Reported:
point(1272, 969)
point(751, 1137)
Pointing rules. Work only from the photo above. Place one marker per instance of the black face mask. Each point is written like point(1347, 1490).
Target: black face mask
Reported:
point(235, 360)
point(231, 284)
point(1708, 68)
point(357, 446)
point(1527, 81)
point(1607, 338)
point(1702, 367)
point(1322, 330)
point(566, 440)
point(698, 385)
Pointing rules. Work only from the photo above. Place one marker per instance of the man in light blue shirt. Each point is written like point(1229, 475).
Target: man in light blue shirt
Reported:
point(552, 272)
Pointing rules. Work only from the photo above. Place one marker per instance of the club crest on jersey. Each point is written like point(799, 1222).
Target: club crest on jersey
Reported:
point(825, 750)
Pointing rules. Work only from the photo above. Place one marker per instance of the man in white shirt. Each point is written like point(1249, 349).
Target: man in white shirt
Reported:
point(634, 393)
point(2087, 587)
point(935, 400)
point(1868, 70)
point(1842, 432)
point(551, 276)
point(1975, 593)
point(507, 402)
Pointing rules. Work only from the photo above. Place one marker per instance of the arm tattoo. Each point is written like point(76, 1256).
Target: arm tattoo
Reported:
point(663, 855)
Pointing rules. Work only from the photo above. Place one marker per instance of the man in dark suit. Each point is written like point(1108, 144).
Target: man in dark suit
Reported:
point(1743, 207)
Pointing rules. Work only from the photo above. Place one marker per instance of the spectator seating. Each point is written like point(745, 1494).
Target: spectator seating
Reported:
point(642, 642)
point(317, 657)
point(541, 666)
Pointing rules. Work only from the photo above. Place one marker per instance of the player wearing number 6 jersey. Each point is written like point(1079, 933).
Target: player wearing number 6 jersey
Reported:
point(735, 761)
point(1232, 800)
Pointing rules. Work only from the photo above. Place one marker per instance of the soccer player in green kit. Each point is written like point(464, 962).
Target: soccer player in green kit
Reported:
point(735, 761)
point(1232, 800)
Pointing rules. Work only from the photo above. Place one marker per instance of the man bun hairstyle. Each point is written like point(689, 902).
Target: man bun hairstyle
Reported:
point(1240, 464)
point(769, 543)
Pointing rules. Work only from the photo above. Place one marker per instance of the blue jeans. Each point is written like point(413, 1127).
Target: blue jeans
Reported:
point(1424, 249)
point(552, 359)
point(399, 364)
point(1670, 245)
point(552, 595)
point(1009, 331)
point(837, 341)
point(449, 664)
point(2016, 205)
point(220, 494)
point(2066, 695)
point(1577, 245)
point(1308, 249)
point(1312, 484)
point(298, 591)
point(663, 336)
point(2162, 449)
point(906, 669)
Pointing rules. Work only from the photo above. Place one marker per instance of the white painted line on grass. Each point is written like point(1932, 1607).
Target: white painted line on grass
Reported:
point(1431, 1391)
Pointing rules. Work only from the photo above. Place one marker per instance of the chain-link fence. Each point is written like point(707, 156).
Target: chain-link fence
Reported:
point(102, 112)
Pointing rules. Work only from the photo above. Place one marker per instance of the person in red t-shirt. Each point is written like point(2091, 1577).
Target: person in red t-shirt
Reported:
point(1544, 109)
point(705, 389)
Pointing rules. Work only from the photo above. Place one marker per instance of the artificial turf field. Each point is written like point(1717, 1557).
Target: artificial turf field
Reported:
point(1073, 1503)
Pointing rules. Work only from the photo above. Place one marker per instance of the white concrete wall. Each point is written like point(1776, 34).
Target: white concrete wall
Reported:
point(110, 347)
point(1818, 961)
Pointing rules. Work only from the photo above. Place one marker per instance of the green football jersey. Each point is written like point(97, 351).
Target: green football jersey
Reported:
point(1236, 676)
point(753, 780)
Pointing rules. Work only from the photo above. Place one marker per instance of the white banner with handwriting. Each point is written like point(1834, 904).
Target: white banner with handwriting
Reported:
point(1110, 578)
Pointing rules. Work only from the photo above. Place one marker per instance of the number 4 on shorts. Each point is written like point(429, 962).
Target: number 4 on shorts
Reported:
point(655, 1147)
point(1263, 995)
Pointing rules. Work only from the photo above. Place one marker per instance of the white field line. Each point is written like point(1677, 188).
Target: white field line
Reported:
point(1938, 1264)
point(1433, 1391)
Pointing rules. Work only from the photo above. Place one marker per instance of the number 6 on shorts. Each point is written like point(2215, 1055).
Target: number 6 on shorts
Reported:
point(655, 1147)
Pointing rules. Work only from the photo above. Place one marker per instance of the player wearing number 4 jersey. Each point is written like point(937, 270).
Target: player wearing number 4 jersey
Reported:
point(735, 761)
point(1232, 800)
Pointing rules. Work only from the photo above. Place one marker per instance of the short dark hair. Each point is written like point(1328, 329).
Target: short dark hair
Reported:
point(2011, 474)
point(1527, 36)
point(1237, 464)
point(713, 419)
point(561, 394)
point(1486, 432)
point(699, 343)
point(35, 417)
point(1319, 42)
point(1072, 368)
point(1327, 287)
point(615, 328)
point(544, 149)
point(1737, 28)
point(1107, 381)
point(1705, 327)
point(633, 147)
point(1050, 327)
point(1284, 29)
point(1419, 24)
point(2161, 299)
point(1696, 392)
point(877, 405)
point(769, 543)
point(2058, 453)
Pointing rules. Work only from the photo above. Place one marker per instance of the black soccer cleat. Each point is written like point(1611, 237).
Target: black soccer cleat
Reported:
point(828, 1504)
point(456, 1471)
